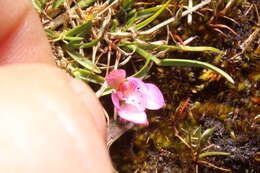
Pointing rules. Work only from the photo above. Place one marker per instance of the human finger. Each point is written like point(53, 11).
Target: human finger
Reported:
point(49, 123)
point(22, 38)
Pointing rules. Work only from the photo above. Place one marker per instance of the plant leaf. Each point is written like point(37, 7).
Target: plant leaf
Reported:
point(84, 45)
point(149, 10)
point(85, 3)
point(130, 22)
point(73, 38)
point(206, 134)
point(84, 62)
point(144, 70)
point(79, 30)
point(178, 62)
point(57, 4)
point(154, 16)
point(150, 46)
point(51, 34)
point(143, 53)
point(37, 5)
point(213, 154)
point(88, 76)
point(107, 91)
point(195, 63)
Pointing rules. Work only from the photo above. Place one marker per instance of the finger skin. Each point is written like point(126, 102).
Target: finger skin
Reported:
point(22, 38)
point(47, 123)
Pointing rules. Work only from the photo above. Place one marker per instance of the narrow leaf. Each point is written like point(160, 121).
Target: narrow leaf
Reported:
point(190, 48)
point(107, 91)
point(154, 16)
point(51, 34)
point(130, 22)
point(73, 38)
point(57, 4)
point(143, 53)
point(149, 10)
point(127, 4)
point(194, 63)
point(206, 134)
point(84, 45)
point(88, 76)
point(179, 62)
point(213, 154)
point(37, 5)
point(150, 46)
point(84, 62)
point(83, 28)
point(179, 48)
point(85, 3)
point(144, 70)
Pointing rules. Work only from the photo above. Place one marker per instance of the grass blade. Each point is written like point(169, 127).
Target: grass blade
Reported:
point(84, 62)
point(144, 70)
point(79, 30)
point(85, 3)
point(195, 63)
point(143, 53)
point(84, 45)
point(51, 34)
point(179, 62)
point(57, 4)
point(149, 46)
point(37, 5)
point(154, 16)
point(107, 91)
point(88, 76)
point(206, 134)
point(202, 155)
point(73, 38)
point(149, 10)
point(191, 48)
point(130, 22)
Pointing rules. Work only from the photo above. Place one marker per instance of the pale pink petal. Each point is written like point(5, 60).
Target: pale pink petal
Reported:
point(136, 100)
point(154, 97)
point(135, 82)
point(115, 100)
point(115, 78)
point(131, 94)
point(130, 113)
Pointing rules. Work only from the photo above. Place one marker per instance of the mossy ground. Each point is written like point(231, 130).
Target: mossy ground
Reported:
point(213, 102)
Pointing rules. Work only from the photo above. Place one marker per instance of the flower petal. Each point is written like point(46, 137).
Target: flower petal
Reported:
point(135, 117)
point(135, 82)
point(132, 114)
point(137, 101)
point(132, 94)
point(115, 78)
point(115, 100)
point(154, 97)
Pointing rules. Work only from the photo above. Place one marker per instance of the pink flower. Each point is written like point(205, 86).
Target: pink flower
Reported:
point(132, 96)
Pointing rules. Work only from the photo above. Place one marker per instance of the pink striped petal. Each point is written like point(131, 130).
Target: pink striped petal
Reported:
point(154, 97)
point(115, 78)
